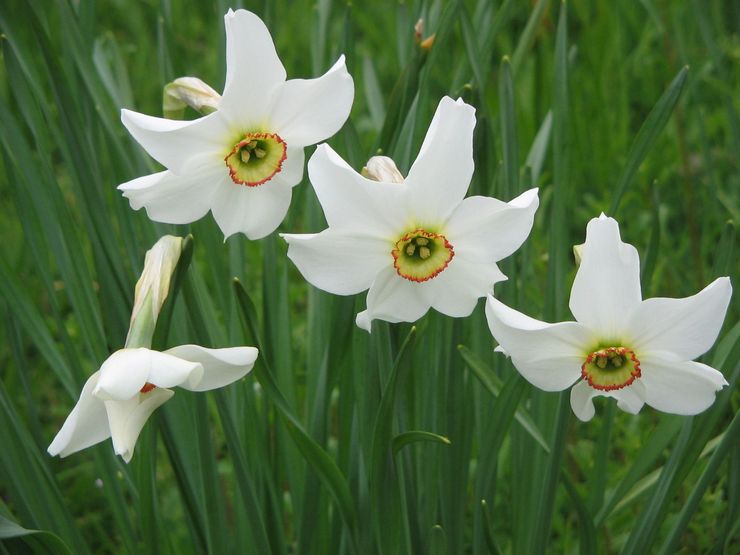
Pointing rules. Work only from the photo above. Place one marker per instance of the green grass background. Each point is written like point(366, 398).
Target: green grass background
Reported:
point(299, 457)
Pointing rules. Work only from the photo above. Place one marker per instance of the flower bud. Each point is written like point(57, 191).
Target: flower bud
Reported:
point(152, 289)
point(188, 91)
point(382, 168)
point(578, 253)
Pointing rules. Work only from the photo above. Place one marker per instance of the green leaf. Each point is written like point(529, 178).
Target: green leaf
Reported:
point(402, 440)
point(647, 135)
point(729, 441)
point(319, 460)
point(493, 384)
point(508, 131)
point(529, 34)
point(586, 527)
point(383, 474)
point(39, 541)
point(652, 449)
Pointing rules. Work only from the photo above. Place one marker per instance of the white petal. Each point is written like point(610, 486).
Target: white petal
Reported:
point(393, 299)
point(127, 418)
point(631, 398)
point(178, 144)
point(340, 263)
point(351, 202)
point(441, 174)
point(487, 229)
point(254, 211)
point(607, 285)
point(455, 292)
point(547, 355)
point(174, 199)
point(581, 400)
point(168, 370)
point(292, 170)
point(686, 327)
point(307, 111)
point(220, 366)
point(86, 425)
point(123, 374)
point(679, 387)
point(253, 69)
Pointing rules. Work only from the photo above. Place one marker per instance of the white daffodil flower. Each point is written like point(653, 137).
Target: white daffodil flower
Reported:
point(117, 400)
point(415, 244)
point(241, 161)
point(636, 351)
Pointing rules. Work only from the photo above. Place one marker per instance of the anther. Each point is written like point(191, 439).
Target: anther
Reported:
point(259, 153)
point(422, 241)
point(424, 253)
point(244, 155)
point(411, 249)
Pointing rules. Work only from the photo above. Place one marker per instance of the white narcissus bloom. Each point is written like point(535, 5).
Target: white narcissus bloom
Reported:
point(636, 351)
point(117, 400)
point(241, 161)
point(416, 244)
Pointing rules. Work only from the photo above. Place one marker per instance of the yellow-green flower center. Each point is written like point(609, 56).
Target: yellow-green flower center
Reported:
point(256, 158)
point(611, 368)
point(420, 255)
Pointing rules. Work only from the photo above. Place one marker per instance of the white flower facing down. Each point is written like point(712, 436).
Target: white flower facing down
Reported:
point(117, 400)
point(415, 244)
point(636, 351)
point(241, 161)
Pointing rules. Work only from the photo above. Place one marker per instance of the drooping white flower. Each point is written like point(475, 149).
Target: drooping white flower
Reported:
point(117, 400)
point(636, 351)
point(241, 161)
point(415, 244)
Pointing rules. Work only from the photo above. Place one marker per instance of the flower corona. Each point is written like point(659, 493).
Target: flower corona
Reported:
point(420, 255)
point(256, 158)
